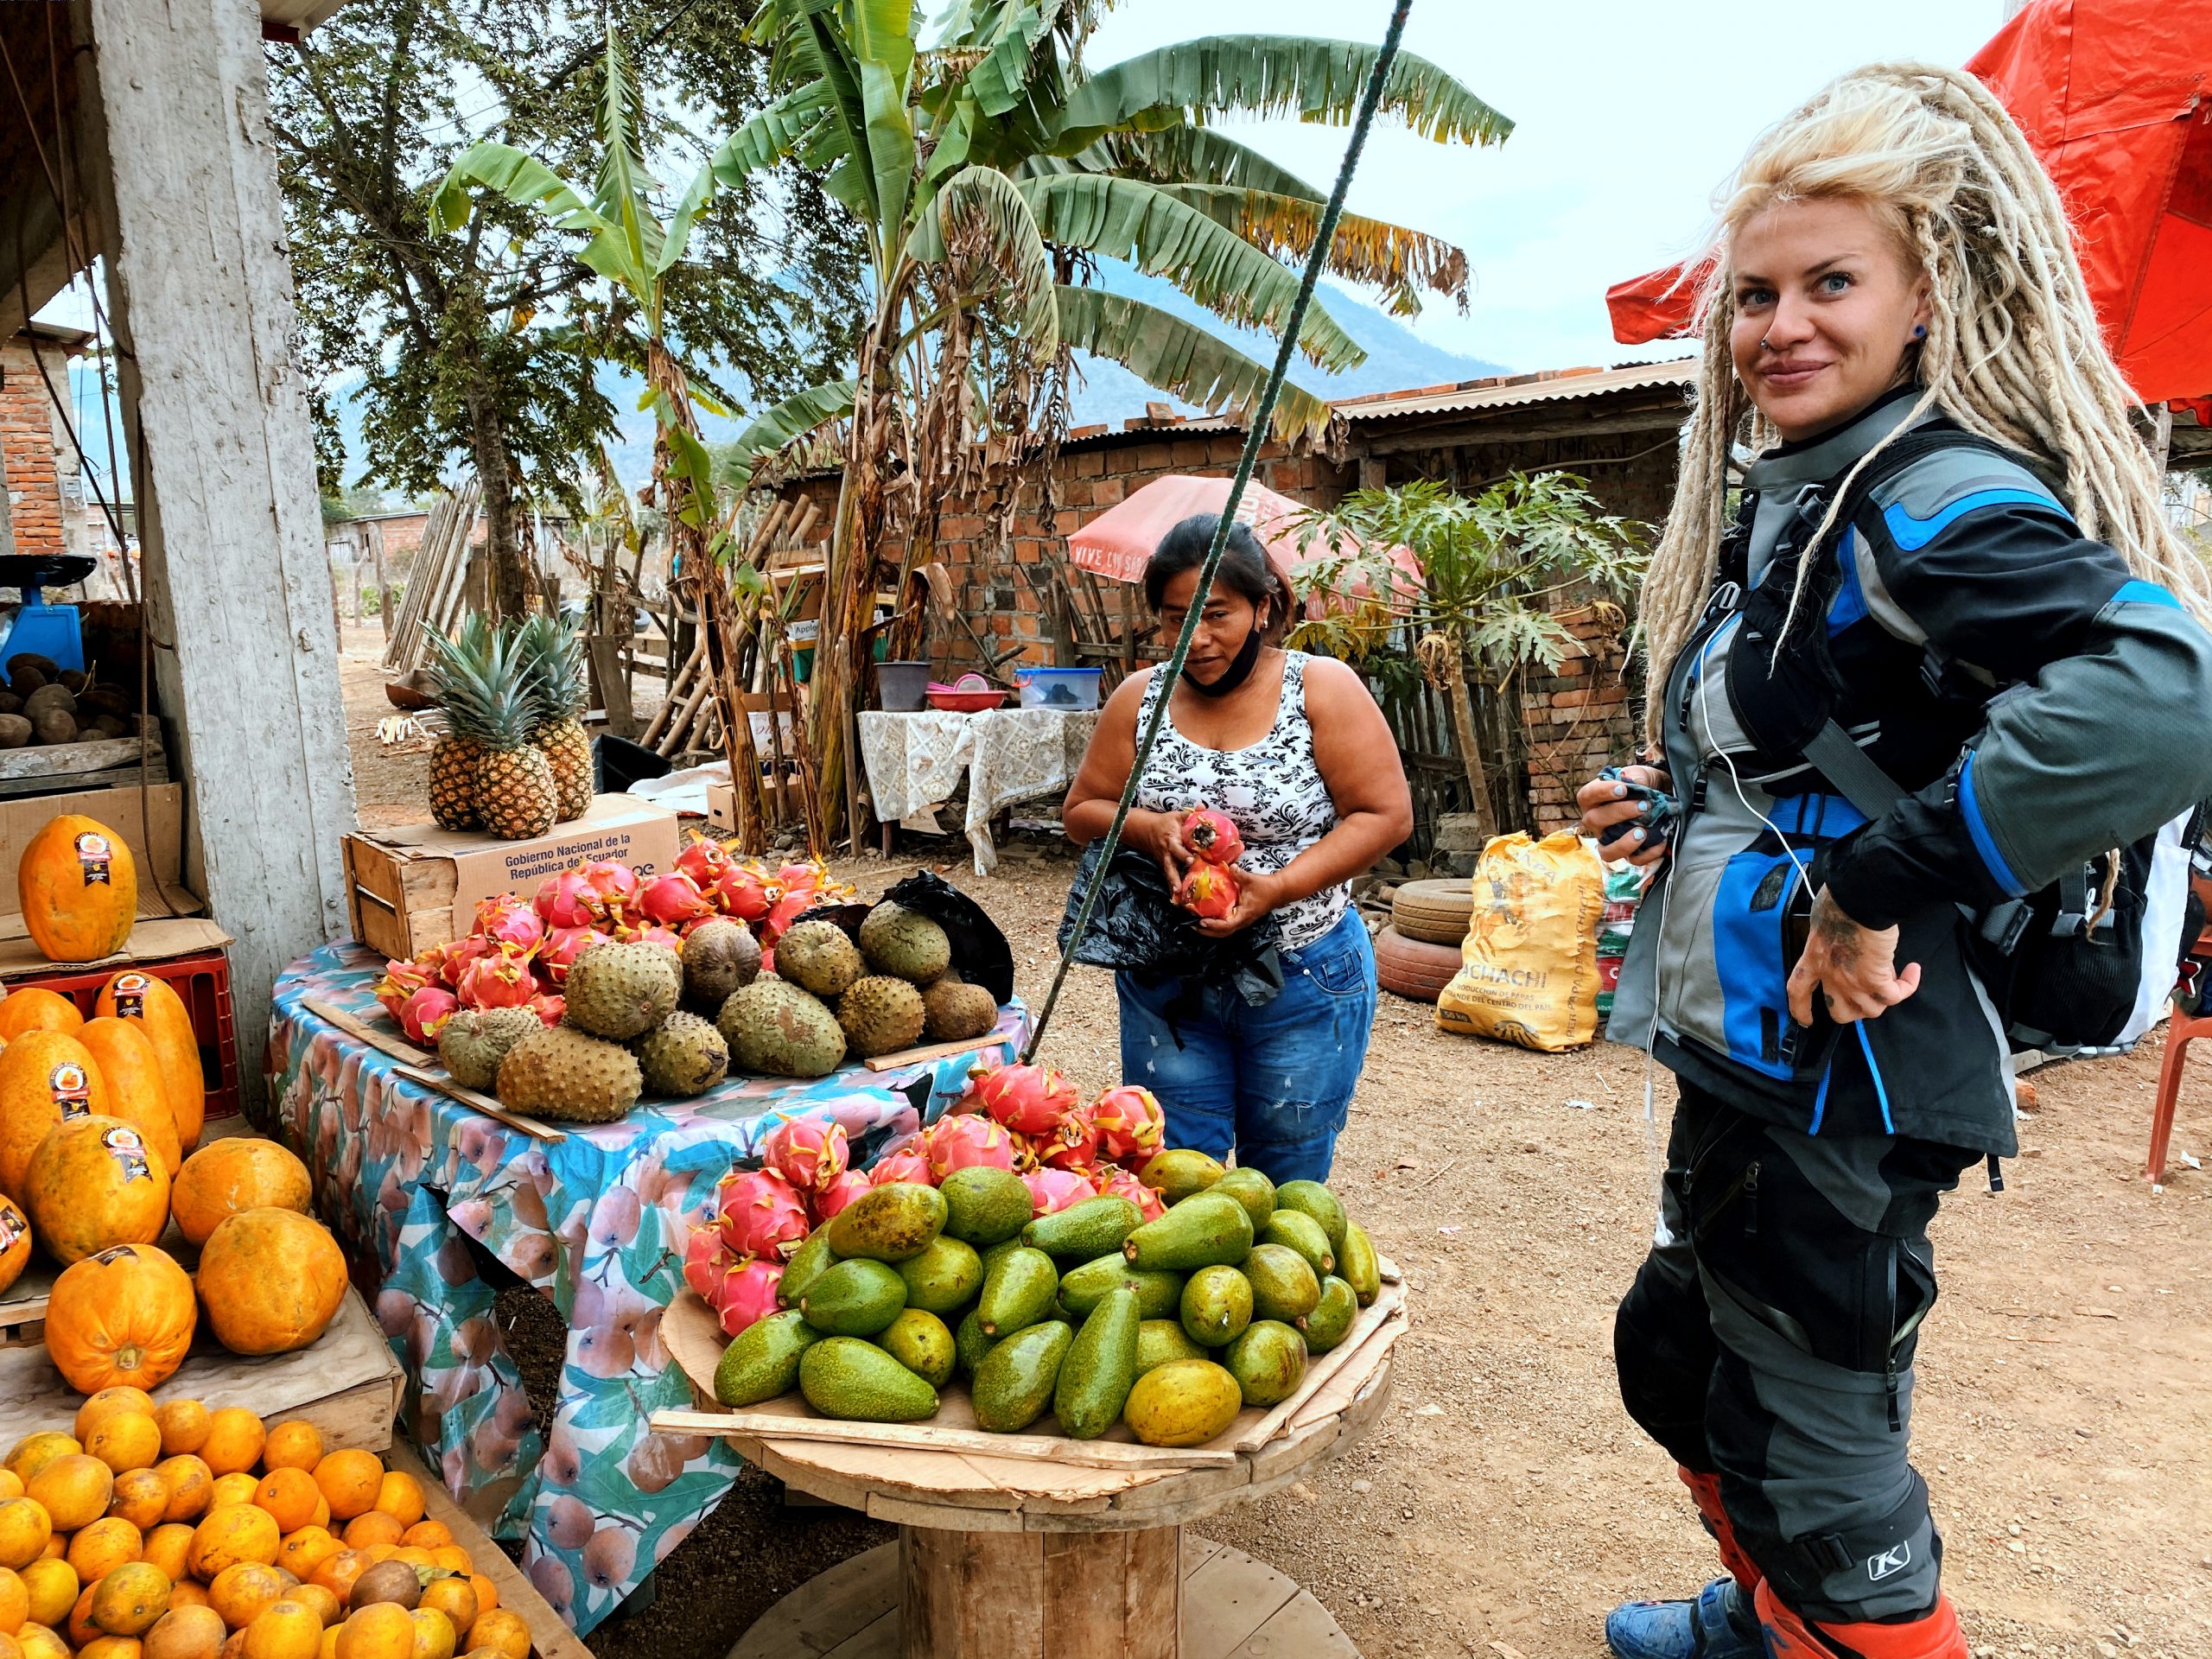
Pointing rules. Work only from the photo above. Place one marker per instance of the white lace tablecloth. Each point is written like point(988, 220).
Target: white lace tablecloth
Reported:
point(915, 761)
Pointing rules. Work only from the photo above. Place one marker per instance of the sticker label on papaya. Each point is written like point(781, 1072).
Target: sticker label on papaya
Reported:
point(131, 996)
point(13, 1226)
point(94, 855)
point(124, 1145)
point(72, 1090)
point(115, 1253)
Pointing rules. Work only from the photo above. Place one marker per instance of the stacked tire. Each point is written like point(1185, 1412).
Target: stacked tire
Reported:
point(1416, 955)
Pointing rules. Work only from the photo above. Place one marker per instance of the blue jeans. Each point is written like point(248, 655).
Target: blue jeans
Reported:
point(1275, 1082)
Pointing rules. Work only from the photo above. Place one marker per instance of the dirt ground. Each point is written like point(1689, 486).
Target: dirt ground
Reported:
point(2064, 1416)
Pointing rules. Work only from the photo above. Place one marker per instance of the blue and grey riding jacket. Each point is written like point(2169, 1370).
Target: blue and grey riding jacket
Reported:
point(2039, 704)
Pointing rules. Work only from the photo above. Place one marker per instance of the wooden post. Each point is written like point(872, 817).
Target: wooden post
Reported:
point(177, 153)
point(1027, 1595)
point(384, 588)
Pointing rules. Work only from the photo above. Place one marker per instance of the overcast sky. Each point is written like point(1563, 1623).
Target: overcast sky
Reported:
point(1628, 116)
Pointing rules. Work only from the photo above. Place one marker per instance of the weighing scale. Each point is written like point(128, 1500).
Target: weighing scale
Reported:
point(49, 631)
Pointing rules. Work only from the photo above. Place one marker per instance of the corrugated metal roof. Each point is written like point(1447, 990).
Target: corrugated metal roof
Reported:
point(1517, 391)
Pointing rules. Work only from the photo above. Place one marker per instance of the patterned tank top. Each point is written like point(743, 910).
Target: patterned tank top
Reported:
point(1272, 789)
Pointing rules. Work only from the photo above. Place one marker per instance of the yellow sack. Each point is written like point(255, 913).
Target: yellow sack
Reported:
point(1529, 972)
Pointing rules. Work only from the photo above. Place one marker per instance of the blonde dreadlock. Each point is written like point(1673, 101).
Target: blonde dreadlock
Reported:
point(2012, 353)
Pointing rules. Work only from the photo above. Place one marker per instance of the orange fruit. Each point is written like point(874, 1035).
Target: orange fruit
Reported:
point(350, 1481)
point(141, 1496)
point(290, 1494)
point(130, 1600)
point(34, 1451)
point(400, 1494)
point(235, 1437)
point(380, 1630)
point(329, 1649)
point(194, 1632)
point(326, 1606)
point(15, 1602)
point(125, 1439)
point(501, 1629)
point(428, 1534)
point(233, 1646)
point(230, 1533)
point(81, 1628)
point(434, 1634)
point(11, 1483)
point(98, 1549)
point(285, 1629)
point(191, 1484)
point(24, 1529)
point(379, 1553)
point(453, 1598)
point(321, 1510)
point(374, 1527)
point(38, 1641)
point(412, 1556)
point(189, 1593)
point(241, 1590)
point(236, 1488)
point(338, 1572)
point(452, 1558)
point(74, 1490)
point(52, 1586)
point(166, 1547)
point(106, 1403)
point(306, 1548)
point(185, 1426)
point(292, 1445)
point(112, 1647)
point(9, 1648)
point(487, 1594)
point(57, 1545)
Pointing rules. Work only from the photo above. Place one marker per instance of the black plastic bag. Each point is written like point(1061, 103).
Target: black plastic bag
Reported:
point(979, 949)
point(1137, 927)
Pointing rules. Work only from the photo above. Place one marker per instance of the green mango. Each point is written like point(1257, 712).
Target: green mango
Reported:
point(888, 1223)
point(970, 1344)
point(762, 1362)
point(1083, 1230)
point(919, 1341)
point(1284, 1287)
point(1217, 1306)
point(1159, 1341)
point(843, 1376)
point(984, 1205)
point(1252, 1190)
point(1101, 1366)
point(1317, 1201)
point(1303, 1233)
point(1268, 1362)
point(1183, 1402)
point(1018, 1291)
point(1203, 1232)
point(944, 1277)
point(1015, 1383)
point(1331, 1317)
point(853, 1299)
point(1082, 1288)
point(1360, 1267)
point(807, 1264)
point(1176, 1174)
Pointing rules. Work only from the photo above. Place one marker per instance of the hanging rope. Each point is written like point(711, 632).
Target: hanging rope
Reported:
point(1254, 437)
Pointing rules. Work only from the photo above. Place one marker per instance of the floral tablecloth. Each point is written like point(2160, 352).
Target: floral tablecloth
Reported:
point(420, 1183)
point(915, 760)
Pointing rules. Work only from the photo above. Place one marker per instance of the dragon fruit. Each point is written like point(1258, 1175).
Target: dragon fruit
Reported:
point(613, 885)
point(1209, 891)
point(808, 1152)
point(911, 1164)
point(1213, 835)
point(760, 1213)
point(547, 1007)
point(561, 948)
point(1131, 1126)
point(748, 1295)
point(744, 893)
point(423, 1015)
point(1051, 1190)
point(1031, 1099)
point(672, 898)
point(1113, 1182)
point(509, 924)
point(567, 899)
point(703, 861)
point(1074, 1142)
point(502, 980)
point(962, 1142)
point(628, 932)
point(829, 1200)
point(400, 980)
point(457, 956)
point(706, 1262)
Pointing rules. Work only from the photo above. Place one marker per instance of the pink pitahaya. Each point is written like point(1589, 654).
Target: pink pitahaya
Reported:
point(706, 1262)
point(911, 1164)
point(781, 914)
point(1213, 835)
point(1057, 1189)
point(669, 898)
point(400, 980)
point(509, 924)
point(560, 950)
point(1113, 1183)
point(458, 954)
point(703, 861)
point(1074, 1142)
point(829, 1200)
point(1030, 1099)
point(567, 899)
point(501, 980)
point(760, 1213)
point(423, 1015)
point(962, 1142)
point(743, 891)
point(1131, 1126)
point(548, 1008)
point(748, 1295)
point(635, 931)
point(808, 1152)
point(614, 885)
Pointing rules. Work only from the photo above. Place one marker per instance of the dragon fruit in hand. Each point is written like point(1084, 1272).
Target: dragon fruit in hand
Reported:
point(808, 1152)
point(760, 1213)
point(1209, 891)
point(1213, 835)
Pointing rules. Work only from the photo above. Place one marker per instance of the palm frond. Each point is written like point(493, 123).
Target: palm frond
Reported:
point(1164, 350)
point(783, 424)
point(772, 134)
point(980, 205)
point(1371, 251)
point(1181, 155)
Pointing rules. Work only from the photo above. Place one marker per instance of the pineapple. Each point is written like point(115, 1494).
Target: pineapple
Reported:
point(513, 785)
point(454, 757)
point(553, 668)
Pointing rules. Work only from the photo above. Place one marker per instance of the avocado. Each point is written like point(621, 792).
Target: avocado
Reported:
point(1268, 1362)
point(1082, 1289)
point(1184, 1403)
point(983, 1205)
point(843, 1376)
point(1100, 1367)
point(1015, 1383)
point(1217, 1306)
point(1252, 1190)
point(1201, 1232)
point(1303, 1233)
point(1161, 1340)
point(888, 1223)
point(1317, 1201)
point(1284, 1287)
point(762, 1362)
point(805, 1266)
point(1176, 1175)
point(970, 1344)
point(991, 1253)
point(1084, 1231)
point(920, 1341)
point(944, 1277)
point(1017, 1292)
point(1360, 1267)
point(853, 1299)
point(1331, 1317)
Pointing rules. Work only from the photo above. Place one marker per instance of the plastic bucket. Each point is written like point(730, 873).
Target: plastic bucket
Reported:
point(903, 687)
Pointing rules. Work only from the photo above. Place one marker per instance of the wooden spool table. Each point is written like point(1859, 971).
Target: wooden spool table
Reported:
point(1034, 1546)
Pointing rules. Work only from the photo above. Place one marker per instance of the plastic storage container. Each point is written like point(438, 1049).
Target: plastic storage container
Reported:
point(1073, 690)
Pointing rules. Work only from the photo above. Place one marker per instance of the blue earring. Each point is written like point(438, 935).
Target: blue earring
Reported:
point(1920, 331)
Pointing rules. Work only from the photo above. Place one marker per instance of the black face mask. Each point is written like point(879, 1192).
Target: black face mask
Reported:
point(1239, 670)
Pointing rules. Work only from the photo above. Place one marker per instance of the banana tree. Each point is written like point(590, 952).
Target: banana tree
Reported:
point(990, 173)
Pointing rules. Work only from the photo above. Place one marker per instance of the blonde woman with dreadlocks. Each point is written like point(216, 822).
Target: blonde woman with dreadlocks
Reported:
point(1916, 706)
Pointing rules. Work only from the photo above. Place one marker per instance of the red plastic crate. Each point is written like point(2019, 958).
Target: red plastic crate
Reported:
point(202, 979)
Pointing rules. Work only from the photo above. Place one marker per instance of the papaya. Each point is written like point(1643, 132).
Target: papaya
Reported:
point(79, 884)
point(36, 1008)
point(136, 995)
point(45, 1077)
point(92, 1183)
point(137, 1093)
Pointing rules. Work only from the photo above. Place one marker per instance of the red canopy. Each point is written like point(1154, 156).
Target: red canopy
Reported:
point(2116, 97)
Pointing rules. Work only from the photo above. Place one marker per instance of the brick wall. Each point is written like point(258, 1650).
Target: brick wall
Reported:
point(1580, 717)
point(40, 467)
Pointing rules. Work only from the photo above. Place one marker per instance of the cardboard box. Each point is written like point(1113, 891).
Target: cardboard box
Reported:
point(418, 886)
point(23, 817)
point(153, 939)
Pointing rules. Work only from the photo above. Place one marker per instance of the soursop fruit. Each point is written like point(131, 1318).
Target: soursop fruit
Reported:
point(881, 1015)
point(820, 958)
point(475, 1040)
point(905, 943)
point(559, 1072)
point(954, 1010)
point(778, 1030)
point(620, 991)
point(719, 957)
point(684, 1055)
